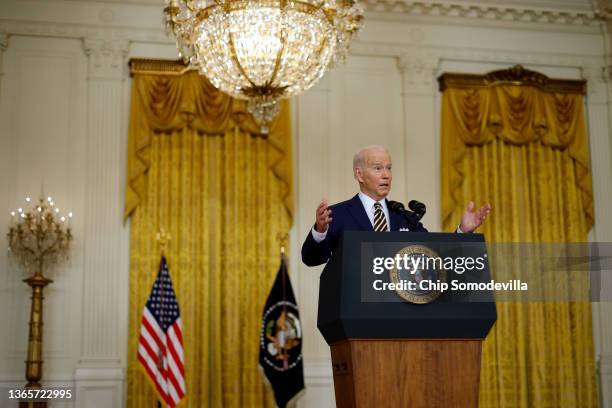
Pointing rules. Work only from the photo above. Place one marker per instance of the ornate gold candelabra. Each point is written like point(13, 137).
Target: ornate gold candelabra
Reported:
point(39, 239)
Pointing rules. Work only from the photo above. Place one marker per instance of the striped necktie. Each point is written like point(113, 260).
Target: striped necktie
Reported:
point(380, 222)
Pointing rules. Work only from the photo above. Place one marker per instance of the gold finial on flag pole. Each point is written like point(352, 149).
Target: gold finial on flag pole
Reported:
point(162, 238)
point(282, 238)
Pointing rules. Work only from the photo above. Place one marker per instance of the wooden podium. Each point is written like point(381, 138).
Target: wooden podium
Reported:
point(395, 354)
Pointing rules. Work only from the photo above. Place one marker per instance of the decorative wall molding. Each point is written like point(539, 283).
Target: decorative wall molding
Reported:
point(561, 13)
point(107, 58)
point(319, 383)
point(318, 373)
point(418, 73)
point(596, 76)
point(3, 41)
point(3, 47)
point(483, 11)
point(406, 52)
point(509, 57)
point(551, 16)
point(102, 387)
point(99, 39)
point(52, 29)
point(416, 64)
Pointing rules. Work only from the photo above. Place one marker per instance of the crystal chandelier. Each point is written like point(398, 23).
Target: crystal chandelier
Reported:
point(263, 50)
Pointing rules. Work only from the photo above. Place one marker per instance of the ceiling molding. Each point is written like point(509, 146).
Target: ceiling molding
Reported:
point(558, 15)
point(514, 12)
point(359, 47)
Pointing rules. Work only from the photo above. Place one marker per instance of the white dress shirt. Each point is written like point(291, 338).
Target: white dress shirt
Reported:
point(368, 204)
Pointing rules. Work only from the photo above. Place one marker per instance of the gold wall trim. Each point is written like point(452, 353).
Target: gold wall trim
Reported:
point(517, 75)
point(152, 66)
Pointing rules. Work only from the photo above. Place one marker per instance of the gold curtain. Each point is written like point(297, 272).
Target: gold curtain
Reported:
point(198, 169)
point(525, 151)
point(167, 103)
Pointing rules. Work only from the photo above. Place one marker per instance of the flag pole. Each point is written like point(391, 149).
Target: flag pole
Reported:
point(162, 238)
point(282, 239)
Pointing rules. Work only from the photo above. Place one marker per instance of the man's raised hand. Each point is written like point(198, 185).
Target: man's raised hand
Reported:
point(473, 219)
point(323, 217)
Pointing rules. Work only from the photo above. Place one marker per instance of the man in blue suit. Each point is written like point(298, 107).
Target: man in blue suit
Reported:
point(368, 210)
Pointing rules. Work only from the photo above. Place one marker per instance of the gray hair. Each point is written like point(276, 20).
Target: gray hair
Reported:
point(360, 156)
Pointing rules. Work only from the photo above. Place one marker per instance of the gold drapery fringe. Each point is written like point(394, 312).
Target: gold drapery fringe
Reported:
point(526, 152)
point(163, 103)
point(199, 170)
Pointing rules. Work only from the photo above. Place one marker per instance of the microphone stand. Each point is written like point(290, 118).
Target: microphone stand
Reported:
point(411, 217)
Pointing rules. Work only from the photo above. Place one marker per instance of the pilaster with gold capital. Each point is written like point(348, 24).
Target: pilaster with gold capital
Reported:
point(420, 124)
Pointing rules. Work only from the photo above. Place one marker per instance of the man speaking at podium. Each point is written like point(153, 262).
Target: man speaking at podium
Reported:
point(369, 210)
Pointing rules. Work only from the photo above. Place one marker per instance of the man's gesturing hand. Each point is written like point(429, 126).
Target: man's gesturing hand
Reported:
point(473, 219)
point(323, 216)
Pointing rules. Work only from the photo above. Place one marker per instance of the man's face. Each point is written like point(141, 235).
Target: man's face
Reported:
point(375, 177)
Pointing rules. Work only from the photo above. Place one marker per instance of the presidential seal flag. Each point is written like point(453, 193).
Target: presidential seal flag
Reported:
point(280, 341)
point(160, 347)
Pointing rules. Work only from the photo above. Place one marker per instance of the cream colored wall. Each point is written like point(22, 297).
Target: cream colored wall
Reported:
point(63, 131)
point(67, 129)
point(42, 144)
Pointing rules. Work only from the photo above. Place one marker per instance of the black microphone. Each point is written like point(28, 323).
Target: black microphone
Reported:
point(398, 207)
point(418, 208)
point(411, 217)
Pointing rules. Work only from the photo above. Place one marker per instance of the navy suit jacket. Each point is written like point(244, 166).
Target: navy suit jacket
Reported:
point(346, 216)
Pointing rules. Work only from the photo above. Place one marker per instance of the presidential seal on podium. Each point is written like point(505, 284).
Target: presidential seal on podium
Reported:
point(417, 273)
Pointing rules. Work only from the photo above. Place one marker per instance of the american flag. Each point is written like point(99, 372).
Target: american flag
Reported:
point(160, 347)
